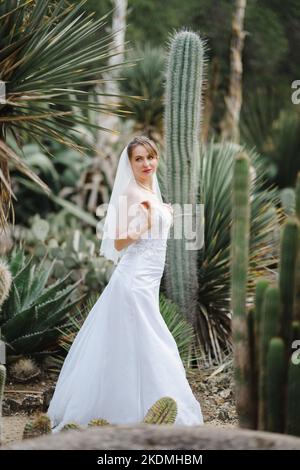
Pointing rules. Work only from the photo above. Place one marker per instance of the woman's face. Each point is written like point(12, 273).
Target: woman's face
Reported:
point(143, 165)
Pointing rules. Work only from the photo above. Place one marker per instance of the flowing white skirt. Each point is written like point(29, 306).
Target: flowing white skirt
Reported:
point(124, 357)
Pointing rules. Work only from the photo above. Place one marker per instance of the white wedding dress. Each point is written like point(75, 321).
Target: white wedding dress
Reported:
point(124, 357)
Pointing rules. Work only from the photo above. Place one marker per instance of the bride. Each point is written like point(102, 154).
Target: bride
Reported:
point(124, 358)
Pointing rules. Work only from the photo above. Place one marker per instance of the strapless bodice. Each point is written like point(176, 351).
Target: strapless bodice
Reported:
point(155, 239)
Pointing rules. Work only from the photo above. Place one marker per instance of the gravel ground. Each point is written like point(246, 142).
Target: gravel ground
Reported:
point(214, 392)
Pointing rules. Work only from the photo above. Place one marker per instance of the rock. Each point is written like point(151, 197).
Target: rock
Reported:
point(146, 436)
point(47, 396)
point(223, 415)
point(32, 403)
point(10, 406)
point(225, 393)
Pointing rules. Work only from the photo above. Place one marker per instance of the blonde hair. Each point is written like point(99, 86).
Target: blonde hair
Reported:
point(146, 142)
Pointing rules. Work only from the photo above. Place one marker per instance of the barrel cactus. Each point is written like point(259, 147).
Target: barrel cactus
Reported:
point(163, 411)
point(37, 427)
point(98, 422)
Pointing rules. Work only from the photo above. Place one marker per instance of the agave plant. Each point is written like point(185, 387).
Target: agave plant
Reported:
point(214, 318)
point(50, 59)
point(33, 311)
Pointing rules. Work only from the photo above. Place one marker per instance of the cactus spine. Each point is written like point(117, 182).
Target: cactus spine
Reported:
point(163, 411)
point(184, 77)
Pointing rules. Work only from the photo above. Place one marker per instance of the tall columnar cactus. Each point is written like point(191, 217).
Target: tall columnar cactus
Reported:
point(293, 400)
point(239, 270)
point(275, 376)
point(184, 78)
point(287, 273)
point(273, 329)
point(297, 274)
point(260, 290)
point(268, 329)
point(2, 383)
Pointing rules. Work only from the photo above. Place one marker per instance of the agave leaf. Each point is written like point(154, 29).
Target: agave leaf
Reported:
point(51, 290)
point(37, 285)
point(11, 305)
point(44, 309)
point(53, 319)
point(28, 342)
point(19, 323)
point(17, 259)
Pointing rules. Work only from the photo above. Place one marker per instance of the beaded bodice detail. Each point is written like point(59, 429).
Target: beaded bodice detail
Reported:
point(155, 239)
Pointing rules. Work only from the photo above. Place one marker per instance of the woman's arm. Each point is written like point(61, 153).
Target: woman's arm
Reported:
point(132, 234)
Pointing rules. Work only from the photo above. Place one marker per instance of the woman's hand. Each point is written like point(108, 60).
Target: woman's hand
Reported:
point(133, 233)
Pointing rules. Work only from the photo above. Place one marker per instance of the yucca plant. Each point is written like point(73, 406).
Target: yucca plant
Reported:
point(274, 130)
point(261, 107)
point(61, 174)
point(214, 318)
point(180, 328)
point(34, 309)
point(144, 85)
point(50, 58)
